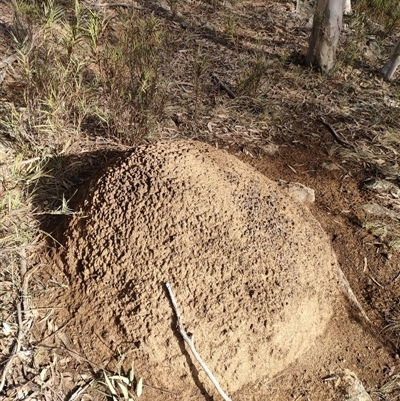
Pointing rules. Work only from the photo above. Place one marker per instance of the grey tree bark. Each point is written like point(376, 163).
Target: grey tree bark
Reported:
point(347, 7)
point(390, 67)
point(325, 34)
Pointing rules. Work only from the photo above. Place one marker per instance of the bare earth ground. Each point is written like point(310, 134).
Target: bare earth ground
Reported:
point(280, 135)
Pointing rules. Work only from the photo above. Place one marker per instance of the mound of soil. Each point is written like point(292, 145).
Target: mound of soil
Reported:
point(252, 270)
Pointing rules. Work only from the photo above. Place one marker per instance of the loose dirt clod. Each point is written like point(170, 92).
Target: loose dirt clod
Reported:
point(253, 271)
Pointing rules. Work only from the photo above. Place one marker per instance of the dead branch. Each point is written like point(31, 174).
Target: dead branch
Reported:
point(222, 85)
point(189, 340)
point(348, 292)
point(114, 5)
point(80, 390)
point(336, 137)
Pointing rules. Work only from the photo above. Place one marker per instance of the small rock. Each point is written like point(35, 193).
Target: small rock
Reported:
point(298, 191)
point(290, 25)
point(270, 149)
point(164, 6)
point(378, 185)
point(289, 6)
point(330, 166)
point(169, 123)
point(209, 27)
point(378, 210)
point(310, 22)
point(351, 385)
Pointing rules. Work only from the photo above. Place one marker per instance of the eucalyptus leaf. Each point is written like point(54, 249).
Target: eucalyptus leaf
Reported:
point(139, 387)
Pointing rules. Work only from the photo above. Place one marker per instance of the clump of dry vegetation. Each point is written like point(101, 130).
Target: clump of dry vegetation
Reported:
point(86, 72)
point(84, 77)
point(385, 13)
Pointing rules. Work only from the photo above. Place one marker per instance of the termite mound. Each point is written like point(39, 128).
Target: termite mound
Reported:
point(252, 270)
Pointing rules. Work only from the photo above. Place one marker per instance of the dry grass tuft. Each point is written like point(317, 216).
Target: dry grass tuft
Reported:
point(18, 236)
point(76, 74)
point(86, 71)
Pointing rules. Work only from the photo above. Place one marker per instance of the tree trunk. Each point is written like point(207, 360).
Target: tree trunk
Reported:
point(347, 7)
point(390, 67)
point(325, 34)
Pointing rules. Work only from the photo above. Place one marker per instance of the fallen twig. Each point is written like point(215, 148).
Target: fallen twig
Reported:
point(25, 280)
point(348, 292)
point(337, 138)
point(376, 282)
point(114, 5)
point(71, 352)
point(5, 62)
point(222, 85)
point(189, 340)
point(22, 306)
point(3, 75)
point(80, 390)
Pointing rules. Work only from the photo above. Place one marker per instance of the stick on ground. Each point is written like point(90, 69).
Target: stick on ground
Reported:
point(215, 79)
point(335, 135)
point(189, 341)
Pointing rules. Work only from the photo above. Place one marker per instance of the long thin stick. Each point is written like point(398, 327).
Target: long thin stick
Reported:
point(222, 85)
point(335, 135)
point(189, 341)
point(113, 5)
